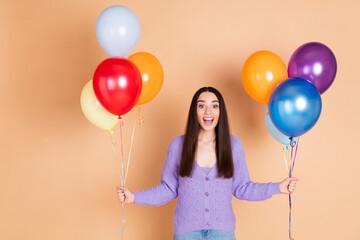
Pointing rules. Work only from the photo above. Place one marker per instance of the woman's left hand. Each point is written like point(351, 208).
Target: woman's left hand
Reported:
point(288, 185)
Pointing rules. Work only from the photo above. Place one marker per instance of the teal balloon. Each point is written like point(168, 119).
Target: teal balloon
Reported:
point(295, 106)
point(275, 133)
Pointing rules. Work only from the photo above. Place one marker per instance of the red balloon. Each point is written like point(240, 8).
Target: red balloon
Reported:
point(117, 85)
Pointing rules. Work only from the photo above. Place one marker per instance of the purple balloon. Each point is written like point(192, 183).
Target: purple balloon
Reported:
point(314, 62)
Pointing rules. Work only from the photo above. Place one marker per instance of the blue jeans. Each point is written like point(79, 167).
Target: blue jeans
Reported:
point(206, 235)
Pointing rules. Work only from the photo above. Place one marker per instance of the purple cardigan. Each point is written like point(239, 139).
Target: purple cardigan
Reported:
point(204, 201)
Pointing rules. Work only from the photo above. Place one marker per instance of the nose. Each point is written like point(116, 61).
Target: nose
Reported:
point(208, 110)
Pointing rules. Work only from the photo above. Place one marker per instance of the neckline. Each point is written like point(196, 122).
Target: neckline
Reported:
point(203, 170)
point(204, 167)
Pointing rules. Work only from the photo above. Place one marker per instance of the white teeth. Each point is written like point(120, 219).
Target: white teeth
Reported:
point(208, 119)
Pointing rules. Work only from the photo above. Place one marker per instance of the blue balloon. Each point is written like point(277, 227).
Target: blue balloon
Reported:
point(295, 106)
point(275, 133)
point(118, 31)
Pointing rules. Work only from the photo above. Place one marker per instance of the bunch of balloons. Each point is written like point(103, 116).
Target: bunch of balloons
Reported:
point(293, 94)
point(120, 82)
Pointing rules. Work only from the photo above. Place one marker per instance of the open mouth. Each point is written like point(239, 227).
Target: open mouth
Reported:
point(208, 121)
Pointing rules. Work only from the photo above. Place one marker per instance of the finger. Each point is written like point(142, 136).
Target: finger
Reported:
point(123, 188)
point(290, 187)
point(292, 183)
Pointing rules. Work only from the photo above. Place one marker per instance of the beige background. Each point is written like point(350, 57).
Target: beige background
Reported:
point(57, 171)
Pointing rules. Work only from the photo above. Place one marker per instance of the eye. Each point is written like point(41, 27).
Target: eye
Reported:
point(216, 106)
point(201, 106)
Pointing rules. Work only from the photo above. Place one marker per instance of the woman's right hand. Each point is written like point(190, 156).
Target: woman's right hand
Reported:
point(125, 196)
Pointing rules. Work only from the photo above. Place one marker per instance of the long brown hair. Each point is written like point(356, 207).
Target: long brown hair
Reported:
point(222, 131)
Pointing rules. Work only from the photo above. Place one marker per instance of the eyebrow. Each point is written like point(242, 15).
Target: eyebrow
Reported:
point(204, 101)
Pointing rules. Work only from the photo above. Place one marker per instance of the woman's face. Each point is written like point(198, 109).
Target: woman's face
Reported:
point(208, 111)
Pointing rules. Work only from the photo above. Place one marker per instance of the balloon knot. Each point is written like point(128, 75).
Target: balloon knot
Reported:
point(141, 120)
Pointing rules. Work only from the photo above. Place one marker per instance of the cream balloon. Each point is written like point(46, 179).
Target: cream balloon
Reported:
point(94, 111)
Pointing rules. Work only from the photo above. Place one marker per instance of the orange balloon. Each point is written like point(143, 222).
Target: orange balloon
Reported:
point(261, 72)
point(152, 75)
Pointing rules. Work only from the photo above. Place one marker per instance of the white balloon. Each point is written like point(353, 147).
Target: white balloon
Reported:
point(118, 31)
point(275, 133)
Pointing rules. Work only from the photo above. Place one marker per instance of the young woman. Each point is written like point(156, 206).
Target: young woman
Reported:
point(204, 168)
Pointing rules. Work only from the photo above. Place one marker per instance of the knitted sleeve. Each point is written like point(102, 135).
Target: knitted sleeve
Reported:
point(167, 189)
point(243, 188)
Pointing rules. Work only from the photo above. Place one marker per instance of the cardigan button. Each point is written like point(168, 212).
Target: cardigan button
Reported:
point(208, 224)
point(207, 194)
point(207, 179)
point(207, 210)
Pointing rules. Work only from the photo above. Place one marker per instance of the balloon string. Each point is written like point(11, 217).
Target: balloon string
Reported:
point(113, 143)
point(297, 144)
point(290, 222)
point(291, 169)
point(122, 153)
point(131, 142)
point(122, 176)
point(141, 118)
point(290, 174)
point(286, 148)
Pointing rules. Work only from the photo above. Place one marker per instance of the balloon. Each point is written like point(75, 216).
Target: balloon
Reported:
point(295, 106)
point(152, 75)
point(261, 72)
point(118, 31)
point(315, 62)
point(275, 133)
point(117, 85)
point(93, 110)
